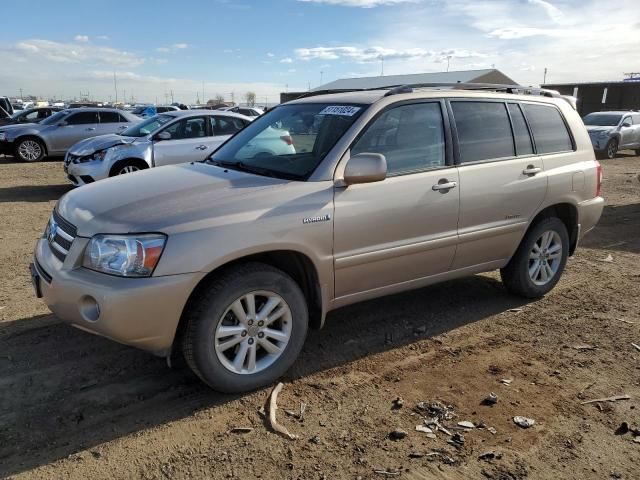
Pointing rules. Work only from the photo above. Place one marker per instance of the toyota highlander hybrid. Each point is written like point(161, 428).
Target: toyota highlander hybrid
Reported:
point(231, 260)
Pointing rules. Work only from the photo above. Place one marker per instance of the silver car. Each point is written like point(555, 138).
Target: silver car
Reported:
point(56, 134)
point(172, 137)
point(613, 131)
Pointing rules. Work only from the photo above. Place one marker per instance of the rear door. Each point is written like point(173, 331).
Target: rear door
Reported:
point(79, 125)
point(402, 229)
point(188, 143)
point(627, 132)
point(222, 127)
point(502, 181)
point(111, 122)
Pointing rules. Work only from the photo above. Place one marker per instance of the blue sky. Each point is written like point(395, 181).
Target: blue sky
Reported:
point(61, 48)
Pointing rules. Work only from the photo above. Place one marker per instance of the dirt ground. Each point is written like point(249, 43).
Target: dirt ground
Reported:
point(77, 406)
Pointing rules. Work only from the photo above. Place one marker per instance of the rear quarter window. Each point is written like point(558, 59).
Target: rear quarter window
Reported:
point(549, 131)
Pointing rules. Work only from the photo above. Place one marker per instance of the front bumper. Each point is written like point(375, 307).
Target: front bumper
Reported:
point(84, 173)
point(141, 312)
point(599, 143)
point(589, 213)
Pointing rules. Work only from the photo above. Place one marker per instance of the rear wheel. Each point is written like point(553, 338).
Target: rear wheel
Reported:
point(246, 328)
point(539, 261)
point(29, 150)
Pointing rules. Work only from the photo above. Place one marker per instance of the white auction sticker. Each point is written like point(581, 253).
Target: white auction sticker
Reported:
point(345, 110)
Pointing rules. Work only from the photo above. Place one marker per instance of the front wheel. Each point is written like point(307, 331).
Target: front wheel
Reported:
point(29, 150)
point(123, 167)
point(539, 261)
point(245, 328)
point(612, 149)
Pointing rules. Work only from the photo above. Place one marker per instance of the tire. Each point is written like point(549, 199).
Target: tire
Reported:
point(122, 167)
point(29, 149)
point(611, 149)
point(517, 276)
point(213, 309)
point(637, 152)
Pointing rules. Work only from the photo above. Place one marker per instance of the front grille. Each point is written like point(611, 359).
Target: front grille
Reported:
point(60, 235)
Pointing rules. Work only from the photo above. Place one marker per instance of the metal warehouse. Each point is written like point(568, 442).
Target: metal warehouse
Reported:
point(602, 96)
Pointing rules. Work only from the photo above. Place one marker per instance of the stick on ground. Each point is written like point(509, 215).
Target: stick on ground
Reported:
point(615, 398)
point(273, 407)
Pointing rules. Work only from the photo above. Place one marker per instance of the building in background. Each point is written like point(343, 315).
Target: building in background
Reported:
point(601, 96)
point(491, 75)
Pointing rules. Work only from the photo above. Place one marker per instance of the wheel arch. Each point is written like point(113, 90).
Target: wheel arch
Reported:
point(294, 263)
point(138, 161)
point(568, 214)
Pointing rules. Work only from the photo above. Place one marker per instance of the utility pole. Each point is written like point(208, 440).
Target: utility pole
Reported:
point(321, 73)
point(21, 99)
point(233, 98)
point(124, 95)
point(172, 96)
point(115, 85)
point(544, 81)
point(381, 66)
point(203, 100)
point(448, 60)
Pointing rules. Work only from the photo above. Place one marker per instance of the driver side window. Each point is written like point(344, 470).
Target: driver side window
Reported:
point(187, 128)
point(411, 137)
point(82, 118)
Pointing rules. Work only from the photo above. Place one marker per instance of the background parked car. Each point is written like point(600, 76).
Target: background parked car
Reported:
point(613, 131)
point(6, 109)
point(30, 115)
point(54, 135)
point(247, 111)
point(172, 137)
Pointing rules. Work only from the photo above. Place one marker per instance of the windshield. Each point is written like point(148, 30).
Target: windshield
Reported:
point(289, 141)
point(150, 125)
point(602, 119)
point(55, 118)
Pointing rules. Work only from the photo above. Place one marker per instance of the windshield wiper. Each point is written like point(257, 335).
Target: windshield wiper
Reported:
point(243, 167)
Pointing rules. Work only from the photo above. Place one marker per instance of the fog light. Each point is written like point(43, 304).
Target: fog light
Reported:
point(89, 308)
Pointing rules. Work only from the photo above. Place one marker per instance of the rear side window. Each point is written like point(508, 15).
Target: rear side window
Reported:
point(223, 125)
point(110, 117)
point(82, 118)
point(411, 137)
point(520, 131)
point(548, 128)
point(484, 131)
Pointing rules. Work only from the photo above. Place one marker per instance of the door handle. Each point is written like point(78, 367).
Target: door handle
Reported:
point(444, 186)
point(122, 127)
point(90, 128)
point(201, 147)
point(531, 170)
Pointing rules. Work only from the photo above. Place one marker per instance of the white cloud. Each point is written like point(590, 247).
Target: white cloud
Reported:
point(81, 38)
point(553, 12)
point(173, 48)
point(522, 32)
point(287, 60)
point(375, 54)
point(291, 70)
point(360, 3)
point(103, 37)
point(269, 54)
point(39, 49)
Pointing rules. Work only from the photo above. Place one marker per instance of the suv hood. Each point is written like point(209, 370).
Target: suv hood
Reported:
point(168, 199)
point(597, 128)
point(88, 146)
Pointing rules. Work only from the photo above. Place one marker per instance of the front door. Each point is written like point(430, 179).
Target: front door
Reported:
point(188, 142)
point(405, 227)
point(79, 125)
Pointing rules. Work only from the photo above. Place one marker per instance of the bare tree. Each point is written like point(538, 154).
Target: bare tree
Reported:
point(250, 98)
point(216, 100)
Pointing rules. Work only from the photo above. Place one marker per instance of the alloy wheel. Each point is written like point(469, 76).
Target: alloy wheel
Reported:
point(253, 332)
point(128, 169)
point(545, 258)
point(30, 150)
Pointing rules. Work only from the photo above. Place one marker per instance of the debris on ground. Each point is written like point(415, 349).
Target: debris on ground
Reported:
point(492, 430)
point(457, 440)
point(623, 429)
point(241, 430)
point(315, 439)
point(466, 424)
point(636, 346)
point(506, 381)
point(515, 310)
point(423, 429)
point(614, 398)
point(490, 399)
point(416, 455)
point(436, 410)
point(524, 422)
point(607, 259)
point(397, 404)
point(273, 407)
point(297, 415)
point(490, 455)
point(397, 434)
point(584, 347)
point(387, 473)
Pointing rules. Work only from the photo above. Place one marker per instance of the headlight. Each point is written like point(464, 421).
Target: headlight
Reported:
point(90, 158)
point(100, 155)
point(3, 136)
point(603, 133)
point(124, 255)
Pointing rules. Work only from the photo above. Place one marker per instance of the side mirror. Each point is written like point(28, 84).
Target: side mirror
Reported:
point(365, 168)
point(626, 123)
point(163, 136)
point(62, 124)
